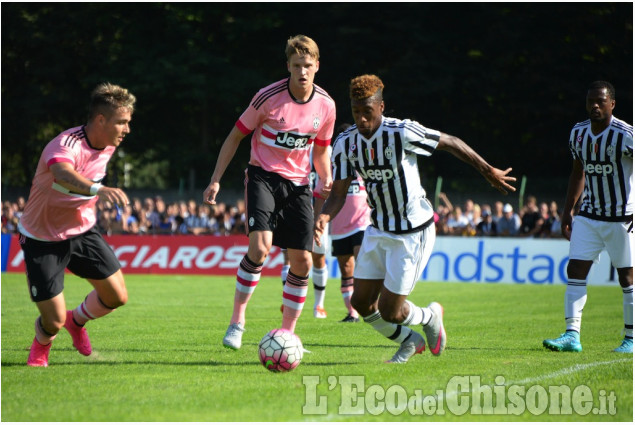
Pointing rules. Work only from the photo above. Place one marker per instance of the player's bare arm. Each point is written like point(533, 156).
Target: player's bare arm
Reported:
point(574, 191)
point(331, 207)
point(322, 164)
point(66, 176)
point(227, 152)
point(496, 177)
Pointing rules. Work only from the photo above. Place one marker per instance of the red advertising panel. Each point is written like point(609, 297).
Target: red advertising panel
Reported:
point(213, 255)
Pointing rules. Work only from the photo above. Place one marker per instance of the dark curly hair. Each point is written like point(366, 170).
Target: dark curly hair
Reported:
point(366, 86)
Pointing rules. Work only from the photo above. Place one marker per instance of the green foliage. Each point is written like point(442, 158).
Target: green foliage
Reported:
point(146, 170)
point(509, 79)
point(160, 358)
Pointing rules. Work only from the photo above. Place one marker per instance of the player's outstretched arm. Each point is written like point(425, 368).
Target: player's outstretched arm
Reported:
point(496, 177)
point(227, 152)
point(66, 176)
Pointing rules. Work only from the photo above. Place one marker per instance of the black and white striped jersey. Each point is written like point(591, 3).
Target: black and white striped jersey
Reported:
point(388, 164)
point(607, 159)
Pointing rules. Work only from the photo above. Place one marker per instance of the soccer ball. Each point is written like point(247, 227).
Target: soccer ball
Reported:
point(280, 350)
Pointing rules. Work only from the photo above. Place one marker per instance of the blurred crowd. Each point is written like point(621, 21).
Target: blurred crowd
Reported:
point(153, 216)
point(534, 220)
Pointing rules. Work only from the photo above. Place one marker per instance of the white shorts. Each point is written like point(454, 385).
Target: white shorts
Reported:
point(324, 241)
point(590, 237)
point(398, 260)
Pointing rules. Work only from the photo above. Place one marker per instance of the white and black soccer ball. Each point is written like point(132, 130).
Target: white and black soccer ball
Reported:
point(280, 350)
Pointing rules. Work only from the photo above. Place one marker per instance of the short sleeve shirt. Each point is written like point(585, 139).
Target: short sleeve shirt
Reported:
point(52, 212)
point(284, 129)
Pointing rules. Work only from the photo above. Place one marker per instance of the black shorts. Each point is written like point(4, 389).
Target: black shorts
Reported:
point(86, 255)
point(277, 205)
point(345, 246)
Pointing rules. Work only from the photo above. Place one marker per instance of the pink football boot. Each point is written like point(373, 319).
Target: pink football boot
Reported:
point(79, 335)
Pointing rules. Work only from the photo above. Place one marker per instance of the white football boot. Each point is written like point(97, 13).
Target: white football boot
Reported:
point(234, 336)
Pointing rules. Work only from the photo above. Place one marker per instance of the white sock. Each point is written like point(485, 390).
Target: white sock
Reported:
point(574, 300)
point(392, 331)
point(320, 277)
point(417, 315)
point(347, 293)
point(627, 294)
point(293, 297)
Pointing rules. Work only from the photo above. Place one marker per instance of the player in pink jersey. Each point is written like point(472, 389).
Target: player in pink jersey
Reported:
point(287, 118)
point(346, 231)
point(57, 227)
point(345, 235)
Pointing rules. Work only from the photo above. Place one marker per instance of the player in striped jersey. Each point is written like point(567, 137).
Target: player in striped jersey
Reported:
point(399, 241)
point(602, 149)
point(57, 227)
point(287, 118)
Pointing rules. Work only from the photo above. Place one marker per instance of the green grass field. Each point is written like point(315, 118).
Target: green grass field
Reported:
point(160, 358)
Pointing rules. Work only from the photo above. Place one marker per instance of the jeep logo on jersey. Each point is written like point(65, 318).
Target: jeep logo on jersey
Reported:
point(354, 188)
point(377, 174)
point(599, 168)
point(292, 141)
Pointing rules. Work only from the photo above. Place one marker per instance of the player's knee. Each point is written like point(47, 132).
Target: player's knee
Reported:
point(301, 266)
point(390, 312)
point(258, 256)
point(577, 269)
point(52, 325)
point(391, 315)
point(122, 299)
point(115, 299)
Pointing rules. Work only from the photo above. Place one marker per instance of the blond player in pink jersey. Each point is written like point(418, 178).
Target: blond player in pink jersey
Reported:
point(57, 227)
point(286, 118)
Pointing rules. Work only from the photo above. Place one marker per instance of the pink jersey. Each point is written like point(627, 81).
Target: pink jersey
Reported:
point(354, 215)
point(53, 213)
point(284, 130)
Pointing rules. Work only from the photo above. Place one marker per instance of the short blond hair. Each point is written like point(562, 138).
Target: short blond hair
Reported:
point(366, 86)
point(106, 98)
point(302, 46)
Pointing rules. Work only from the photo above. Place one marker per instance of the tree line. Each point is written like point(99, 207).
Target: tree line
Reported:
point(510, 79)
